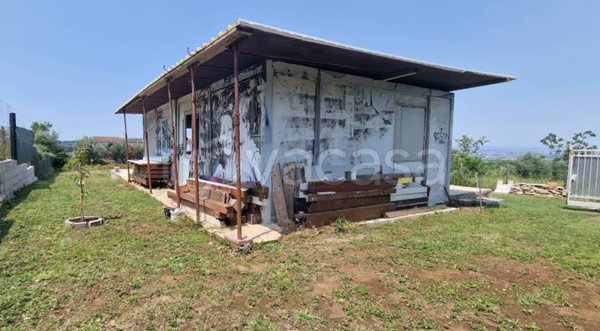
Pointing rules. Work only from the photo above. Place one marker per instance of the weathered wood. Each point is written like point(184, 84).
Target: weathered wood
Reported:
point(331, 205)
point(347, 195)
point(289, 186)
point(160, 173)
point(390, 177)
point(348, 185)
point(352, 214)
point(219, 186)
point(281, 211)
point(204, 202)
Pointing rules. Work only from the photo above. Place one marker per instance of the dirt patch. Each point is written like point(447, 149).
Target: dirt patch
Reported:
point(327, 284)
point(441, 273)
point(255, 267)
point(508, 272)
point(578, 302)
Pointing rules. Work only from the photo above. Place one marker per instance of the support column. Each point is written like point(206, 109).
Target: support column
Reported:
point(126, 145)
point(236, 128)
point(148, 174)
point(195, 144)
point(174, 144)
point(12, 120)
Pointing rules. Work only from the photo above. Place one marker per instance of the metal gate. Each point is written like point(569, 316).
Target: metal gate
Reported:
point(583, 181)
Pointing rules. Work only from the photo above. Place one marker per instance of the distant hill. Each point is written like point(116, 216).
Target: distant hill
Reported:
point(510, 152)
point(107, 140)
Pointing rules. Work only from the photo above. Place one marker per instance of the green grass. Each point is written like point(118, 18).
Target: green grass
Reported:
point(529, 265)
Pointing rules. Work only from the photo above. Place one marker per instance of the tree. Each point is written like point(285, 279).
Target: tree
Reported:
point(46, 142)
point(533, 165)
point(468, 145)
point(466, 163)
point(559, 147)
point(79, 180)
point(116, 151)
point(136, 151)
point(89, 151)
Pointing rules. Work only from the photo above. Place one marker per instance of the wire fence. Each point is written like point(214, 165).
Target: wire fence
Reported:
point(5, 109)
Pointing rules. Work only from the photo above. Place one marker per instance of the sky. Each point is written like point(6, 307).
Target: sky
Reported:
point(73, 63)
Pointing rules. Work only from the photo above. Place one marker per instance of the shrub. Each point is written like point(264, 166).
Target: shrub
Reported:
point(533, 165)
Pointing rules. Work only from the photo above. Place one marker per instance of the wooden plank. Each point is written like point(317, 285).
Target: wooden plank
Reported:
point(219, 186)
point(214, 205)
point(289, 186)
point(347, 195)
point(348, 185)
point(352, 214)
point(208, 211)
point(391, 177)
point(138, 179)
point(330, 205)
point(281, 211)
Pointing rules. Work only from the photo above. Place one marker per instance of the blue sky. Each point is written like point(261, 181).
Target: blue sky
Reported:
point(74, 62)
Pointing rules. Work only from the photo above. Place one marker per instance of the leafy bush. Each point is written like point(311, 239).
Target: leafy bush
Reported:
point(533, 165)
point(46, 143)
point(89, 152)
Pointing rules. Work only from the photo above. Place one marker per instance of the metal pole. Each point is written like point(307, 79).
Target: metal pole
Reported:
point(126, 145)
point(195, 144)
point(236, 127)
point(173, 144)
point(146, 143)
point(12, 121)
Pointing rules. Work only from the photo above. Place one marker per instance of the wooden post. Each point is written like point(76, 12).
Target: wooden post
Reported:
point(126, 145)
point(236, 128)
point(173, 144)
point(195, 144)
point(148, 175)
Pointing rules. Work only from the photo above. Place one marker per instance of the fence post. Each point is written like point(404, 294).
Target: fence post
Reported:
point(12, 119)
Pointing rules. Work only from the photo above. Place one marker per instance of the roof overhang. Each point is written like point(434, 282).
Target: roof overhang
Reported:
point(257, 43)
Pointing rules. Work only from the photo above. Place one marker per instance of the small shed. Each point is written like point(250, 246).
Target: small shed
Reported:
point(290, 129)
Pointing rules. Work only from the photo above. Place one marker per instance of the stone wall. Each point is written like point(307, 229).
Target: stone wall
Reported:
point(13, 177)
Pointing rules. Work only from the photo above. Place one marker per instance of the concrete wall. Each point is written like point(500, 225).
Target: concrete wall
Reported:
point(13, 177)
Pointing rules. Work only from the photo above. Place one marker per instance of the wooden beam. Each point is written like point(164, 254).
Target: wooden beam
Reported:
point(288, 175)
point(352, 215)
point(331, 205)
point(222, 187)
point(279, 201)
point(348, 185)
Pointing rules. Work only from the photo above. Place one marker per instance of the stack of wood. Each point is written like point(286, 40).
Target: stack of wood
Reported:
point(353, 200)
point(219, 200)
point(159, 172)
point(538, 190)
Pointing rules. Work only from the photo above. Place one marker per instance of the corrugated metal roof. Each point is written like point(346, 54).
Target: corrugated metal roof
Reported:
point(266, 42)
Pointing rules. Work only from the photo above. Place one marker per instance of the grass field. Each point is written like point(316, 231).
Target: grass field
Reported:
point(527, 266)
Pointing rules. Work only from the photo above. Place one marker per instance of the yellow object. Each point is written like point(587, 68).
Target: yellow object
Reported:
point(404, 180)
